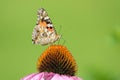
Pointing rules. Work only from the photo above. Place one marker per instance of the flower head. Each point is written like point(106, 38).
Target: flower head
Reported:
point(57, 59)
point(56, 63)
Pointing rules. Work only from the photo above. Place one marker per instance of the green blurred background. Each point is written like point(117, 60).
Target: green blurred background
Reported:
point(91, 29)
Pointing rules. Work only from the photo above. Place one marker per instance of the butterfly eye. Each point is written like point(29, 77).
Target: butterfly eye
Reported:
point(47, 27)
point(50, 27)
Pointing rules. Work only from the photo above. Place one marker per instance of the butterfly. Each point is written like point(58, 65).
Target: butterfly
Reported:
point(44, 32)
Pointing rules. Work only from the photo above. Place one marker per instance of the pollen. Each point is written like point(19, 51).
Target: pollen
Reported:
point(57, 59)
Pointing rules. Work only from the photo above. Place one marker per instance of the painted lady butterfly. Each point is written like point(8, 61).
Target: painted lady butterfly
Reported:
point(44, 32)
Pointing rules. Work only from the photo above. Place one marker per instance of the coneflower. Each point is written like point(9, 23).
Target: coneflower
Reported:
point(56, 63)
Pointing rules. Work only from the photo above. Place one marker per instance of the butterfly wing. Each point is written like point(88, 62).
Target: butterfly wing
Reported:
point(44, 33)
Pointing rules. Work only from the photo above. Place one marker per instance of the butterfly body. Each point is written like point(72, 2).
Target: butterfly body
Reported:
point(44, 32)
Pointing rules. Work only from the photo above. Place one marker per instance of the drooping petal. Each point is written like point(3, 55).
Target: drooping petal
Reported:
point(29, 77)
point(64, 77)
point(49, 76)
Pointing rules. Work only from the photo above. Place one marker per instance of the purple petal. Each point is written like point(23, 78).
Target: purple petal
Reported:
point(64, 77)
point(57, 77)
point(49, 76)
point(38, 77)
point(28, 77)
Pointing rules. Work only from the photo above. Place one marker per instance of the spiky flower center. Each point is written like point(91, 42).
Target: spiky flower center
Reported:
point(57, 59)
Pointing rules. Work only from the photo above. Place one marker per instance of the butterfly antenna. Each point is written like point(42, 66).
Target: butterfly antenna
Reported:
point(64, 41)
point(58, 41)
point(59, 33)
point(60, 29)
point(41, 1)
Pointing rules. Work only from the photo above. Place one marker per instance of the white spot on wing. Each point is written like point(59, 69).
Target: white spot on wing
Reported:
point(46, 17)
point(50, 25)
